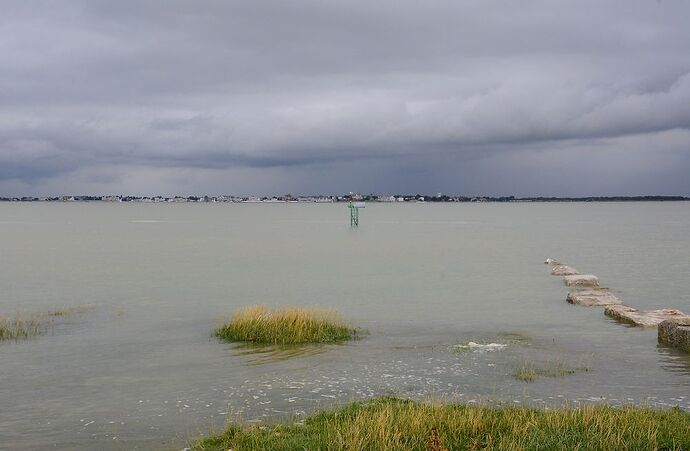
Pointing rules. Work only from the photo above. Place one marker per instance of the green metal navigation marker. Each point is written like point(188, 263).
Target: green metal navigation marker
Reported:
point(354, 212)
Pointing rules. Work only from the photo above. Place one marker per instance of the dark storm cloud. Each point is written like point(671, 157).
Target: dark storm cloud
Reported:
point(135, 93)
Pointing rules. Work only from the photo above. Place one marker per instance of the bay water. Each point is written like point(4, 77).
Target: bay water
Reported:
point(136, 365)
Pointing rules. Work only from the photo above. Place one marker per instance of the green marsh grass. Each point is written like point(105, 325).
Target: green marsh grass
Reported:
point(289, 325)
point(391, 424)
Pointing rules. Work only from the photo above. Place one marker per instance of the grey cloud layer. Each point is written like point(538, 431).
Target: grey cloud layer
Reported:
point(93, 91)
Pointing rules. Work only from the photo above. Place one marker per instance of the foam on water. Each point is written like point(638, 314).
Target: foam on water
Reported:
point(480, 347)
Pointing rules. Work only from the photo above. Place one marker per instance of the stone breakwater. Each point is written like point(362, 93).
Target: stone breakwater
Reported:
point(673, 325)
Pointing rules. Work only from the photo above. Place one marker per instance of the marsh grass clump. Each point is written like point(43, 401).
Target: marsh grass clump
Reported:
point(18, 328)
point(393, 424)
point(526, 372)
point(530, 371)
point(22, 327)
point(290, 325)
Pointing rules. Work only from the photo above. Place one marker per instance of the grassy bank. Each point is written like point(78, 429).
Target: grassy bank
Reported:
point(394, 424)
point(290, 325)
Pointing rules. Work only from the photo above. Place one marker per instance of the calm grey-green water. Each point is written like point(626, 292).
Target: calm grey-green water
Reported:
point(140, 369)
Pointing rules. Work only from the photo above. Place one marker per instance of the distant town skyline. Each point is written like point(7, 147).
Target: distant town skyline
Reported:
point(497, 98)
point(329, 198)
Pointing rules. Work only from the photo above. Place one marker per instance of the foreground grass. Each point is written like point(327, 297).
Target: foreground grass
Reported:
point(259, 324)
point(394, 424)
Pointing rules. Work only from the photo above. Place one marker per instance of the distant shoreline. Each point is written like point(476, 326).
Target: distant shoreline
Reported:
point(335, 199)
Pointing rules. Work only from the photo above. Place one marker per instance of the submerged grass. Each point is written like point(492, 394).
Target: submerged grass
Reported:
point(517, 338)
point(21, 327)
point(392, 424)
point(290, 325)
point(530, 371)
point(70, 311)
point(526, 373)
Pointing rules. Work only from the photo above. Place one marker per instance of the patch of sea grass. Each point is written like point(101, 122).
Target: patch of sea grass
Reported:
point(513, 338)
point(393, 424)
point(19, 327)
point(530, 371)
point(526, 372)
point(289, 325)
point(22, 327)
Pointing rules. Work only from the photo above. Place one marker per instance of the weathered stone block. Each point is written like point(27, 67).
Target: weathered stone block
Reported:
point(582, 280)
point(676, 332)
point(593, 296)
point(563, 270)
point(650, 318)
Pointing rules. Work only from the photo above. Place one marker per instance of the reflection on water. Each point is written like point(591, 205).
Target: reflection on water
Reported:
point(261, 354)
point(674, 360)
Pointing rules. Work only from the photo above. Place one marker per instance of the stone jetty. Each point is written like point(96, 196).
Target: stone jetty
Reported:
point(649, 318)
point(676, 332)
point(581, 280)
point(673, 325)
point(593, 297)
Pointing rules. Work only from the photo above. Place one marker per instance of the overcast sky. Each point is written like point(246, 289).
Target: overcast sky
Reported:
point(240, 97)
